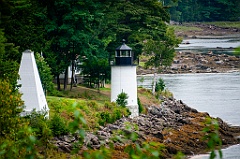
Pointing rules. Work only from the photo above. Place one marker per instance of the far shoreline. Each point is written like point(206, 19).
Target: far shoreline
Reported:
point(189, 62)
point(159, 74)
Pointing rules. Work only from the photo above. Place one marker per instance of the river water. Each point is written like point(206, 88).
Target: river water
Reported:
point(218, 94)
point(217, 45)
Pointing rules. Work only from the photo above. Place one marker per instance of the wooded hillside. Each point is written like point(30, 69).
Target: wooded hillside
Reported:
point(203, 10)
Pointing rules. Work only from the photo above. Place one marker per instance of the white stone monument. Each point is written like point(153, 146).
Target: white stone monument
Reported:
point(124, 78)
point(31, 86)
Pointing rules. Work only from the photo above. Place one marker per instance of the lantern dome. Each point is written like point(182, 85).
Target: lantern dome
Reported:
point(123, 55)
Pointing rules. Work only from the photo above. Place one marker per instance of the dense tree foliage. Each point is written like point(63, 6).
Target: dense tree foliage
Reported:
point(204, 10)
point(8, 61)
point(87, 31)
point(135, 21)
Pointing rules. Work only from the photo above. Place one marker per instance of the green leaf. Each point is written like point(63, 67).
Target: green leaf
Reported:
point(81, 133)
point(83, 121)
point(220, 153)
point(155, 153)
point(76, 113)
point(32, 138)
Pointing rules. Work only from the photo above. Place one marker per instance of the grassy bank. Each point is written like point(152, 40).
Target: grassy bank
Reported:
point(94, 105)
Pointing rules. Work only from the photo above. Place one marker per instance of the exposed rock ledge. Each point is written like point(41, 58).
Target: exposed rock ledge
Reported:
point(173, 123)
point(187, 62)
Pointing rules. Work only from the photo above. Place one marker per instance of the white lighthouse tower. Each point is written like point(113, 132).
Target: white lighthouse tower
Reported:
point(124, 78)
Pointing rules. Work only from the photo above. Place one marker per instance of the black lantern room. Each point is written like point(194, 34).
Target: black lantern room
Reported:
point(123, 55)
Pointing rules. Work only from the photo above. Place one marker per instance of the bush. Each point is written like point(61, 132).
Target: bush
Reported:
point(58, 125)
point(140, 106)
point(104, 118)
point(37, 122)
point(165, 93)
point(122, 99)
point(117, 114)
point(10, 109)
point(108, 117)
point(23, 146)
point(92, 104)
point(108, 105)
point(160, 85)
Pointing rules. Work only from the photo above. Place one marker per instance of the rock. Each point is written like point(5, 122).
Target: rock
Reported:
point(113, 127)
point(219, 62)
point(68, 139)
point(65, 148)
point(158, 134)
point(155, 111)
point(238, 138)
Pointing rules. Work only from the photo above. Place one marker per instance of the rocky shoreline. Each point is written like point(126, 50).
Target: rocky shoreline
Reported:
point(188, 62)
point(173, 123)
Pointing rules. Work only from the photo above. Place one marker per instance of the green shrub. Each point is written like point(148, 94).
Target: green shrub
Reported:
point(117, 114)
point(23, 146)
point(160, 85)
point(104, 117)
point(212, 137)
point(140, 106)
point(56, 93)
point(93, 104)
point(122, 99)
point(165, 93)
point(10, 108)
point(108, 105)
point(38, 122)
point(58, 125)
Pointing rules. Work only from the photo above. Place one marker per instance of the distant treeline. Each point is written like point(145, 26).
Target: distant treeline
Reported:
point(203, 10)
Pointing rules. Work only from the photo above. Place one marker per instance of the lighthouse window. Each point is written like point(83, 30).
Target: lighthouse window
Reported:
point(117, 53)
point(125, 53)
point(129, 53)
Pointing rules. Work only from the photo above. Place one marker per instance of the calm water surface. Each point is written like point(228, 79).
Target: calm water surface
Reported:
point(216, 45)
point(217, 94)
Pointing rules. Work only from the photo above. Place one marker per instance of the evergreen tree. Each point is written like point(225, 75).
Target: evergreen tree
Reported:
point(45, 73)
point(205, 10)
point(8, 64)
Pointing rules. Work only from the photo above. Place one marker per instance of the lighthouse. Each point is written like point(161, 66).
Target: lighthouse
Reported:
point(124, 77)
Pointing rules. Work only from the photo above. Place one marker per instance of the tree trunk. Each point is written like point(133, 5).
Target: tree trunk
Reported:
point(72, 79)
point(66, 79)
point(154, 83)
point(58, 83)
point(98, 82)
